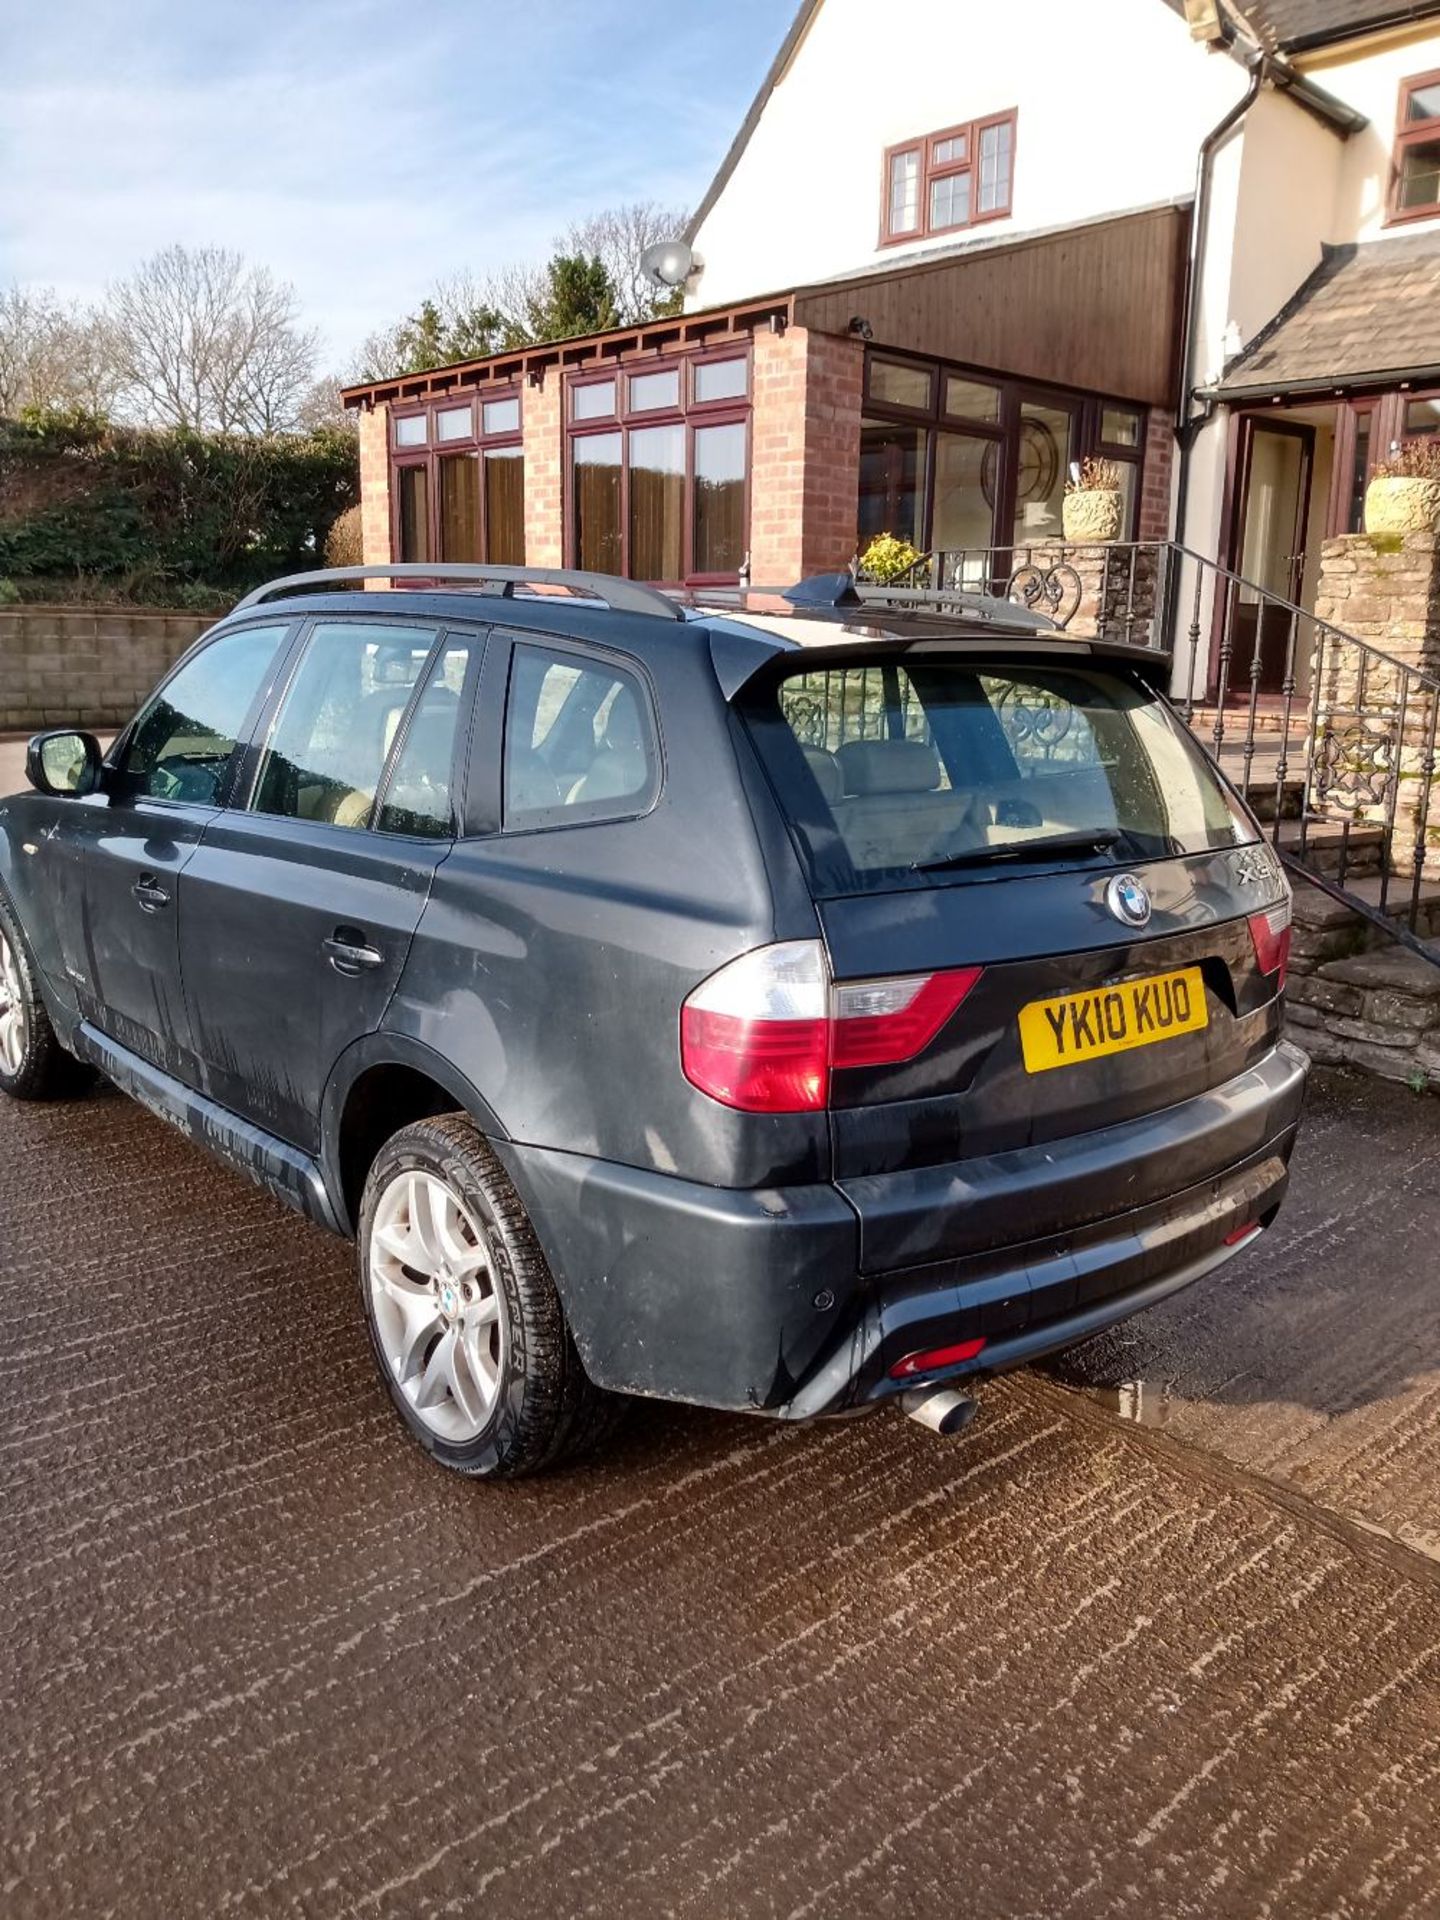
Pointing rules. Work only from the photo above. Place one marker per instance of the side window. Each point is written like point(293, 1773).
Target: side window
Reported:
point(416, 797)
point(579, 741)
point(339, 719)
point(182, 742)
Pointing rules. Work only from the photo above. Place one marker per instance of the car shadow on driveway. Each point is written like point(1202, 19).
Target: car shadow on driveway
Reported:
point(1314, 1358)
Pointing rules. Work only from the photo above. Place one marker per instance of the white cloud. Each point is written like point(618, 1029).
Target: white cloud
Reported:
point(360, 148)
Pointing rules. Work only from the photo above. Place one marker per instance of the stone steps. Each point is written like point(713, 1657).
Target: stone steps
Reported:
point(1237, 719)
point(1325, 847)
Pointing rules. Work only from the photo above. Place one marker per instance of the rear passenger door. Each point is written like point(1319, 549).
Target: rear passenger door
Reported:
point(299, 906)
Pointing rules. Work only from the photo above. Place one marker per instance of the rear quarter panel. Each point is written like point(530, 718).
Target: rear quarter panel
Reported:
point(550, 965)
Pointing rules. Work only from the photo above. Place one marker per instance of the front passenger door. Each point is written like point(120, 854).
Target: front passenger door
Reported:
point(298, 908)
point(167, 776)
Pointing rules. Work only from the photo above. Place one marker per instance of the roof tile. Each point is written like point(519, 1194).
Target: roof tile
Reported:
point(1367, 310)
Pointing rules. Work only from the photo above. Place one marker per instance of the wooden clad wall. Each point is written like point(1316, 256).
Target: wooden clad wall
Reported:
point(1097, 306)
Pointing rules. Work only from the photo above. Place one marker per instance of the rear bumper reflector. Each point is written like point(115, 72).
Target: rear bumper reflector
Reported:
point(934, 1358)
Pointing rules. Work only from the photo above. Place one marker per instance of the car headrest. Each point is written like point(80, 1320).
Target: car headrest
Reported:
point(889, 766)
point(623, 732)
point(826, 769)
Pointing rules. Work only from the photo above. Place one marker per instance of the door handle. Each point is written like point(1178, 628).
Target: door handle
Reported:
point(151, 895)
point(350, 952)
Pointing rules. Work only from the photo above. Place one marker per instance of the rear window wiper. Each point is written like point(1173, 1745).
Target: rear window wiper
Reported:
point(1094, 842)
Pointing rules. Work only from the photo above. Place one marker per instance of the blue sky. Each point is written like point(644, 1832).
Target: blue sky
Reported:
point(360, 148)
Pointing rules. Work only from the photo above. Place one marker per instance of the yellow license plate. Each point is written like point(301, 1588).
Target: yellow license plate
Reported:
point(1134, 1013)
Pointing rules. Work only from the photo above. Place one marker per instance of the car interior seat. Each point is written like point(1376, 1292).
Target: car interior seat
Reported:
point(620, 766)
point(896, 808)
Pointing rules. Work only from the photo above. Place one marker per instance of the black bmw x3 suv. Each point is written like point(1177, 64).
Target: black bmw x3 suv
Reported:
point(789, 1006)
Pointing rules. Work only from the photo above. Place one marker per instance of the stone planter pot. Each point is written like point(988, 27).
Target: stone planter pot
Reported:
point(1402, 505)
point(1092, 514)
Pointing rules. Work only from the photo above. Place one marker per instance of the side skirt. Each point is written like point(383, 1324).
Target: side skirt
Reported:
point(282, 1170)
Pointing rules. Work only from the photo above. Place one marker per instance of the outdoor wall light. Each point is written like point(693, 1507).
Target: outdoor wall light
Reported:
point(862, 328)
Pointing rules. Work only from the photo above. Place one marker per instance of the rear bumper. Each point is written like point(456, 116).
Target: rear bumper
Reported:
point(1042, 1295)
point(798, 1301)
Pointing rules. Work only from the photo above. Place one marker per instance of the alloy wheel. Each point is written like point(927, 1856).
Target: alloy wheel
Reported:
point(12, 1010)
point(439, 1315)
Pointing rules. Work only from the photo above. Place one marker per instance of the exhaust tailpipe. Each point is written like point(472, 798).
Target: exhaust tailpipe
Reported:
point(941, 1409)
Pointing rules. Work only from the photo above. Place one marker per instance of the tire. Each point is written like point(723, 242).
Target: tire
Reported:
point(488, 1382)
point(33, 1064)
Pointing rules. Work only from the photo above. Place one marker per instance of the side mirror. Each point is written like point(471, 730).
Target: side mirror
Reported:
point(63, 764)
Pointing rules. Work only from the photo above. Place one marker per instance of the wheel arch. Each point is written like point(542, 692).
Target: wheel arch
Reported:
point(380, 1084)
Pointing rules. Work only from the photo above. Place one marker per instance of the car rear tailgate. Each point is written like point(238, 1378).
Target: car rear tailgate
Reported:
point(1044, 940)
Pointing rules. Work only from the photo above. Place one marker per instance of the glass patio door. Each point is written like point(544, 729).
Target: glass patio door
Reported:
point(1275, 462)
point(1044, 448)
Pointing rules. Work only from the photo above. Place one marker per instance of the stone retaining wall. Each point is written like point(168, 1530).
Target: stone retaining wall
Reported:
point(91, 666)
point(1377, 727)
point(1352, 1002)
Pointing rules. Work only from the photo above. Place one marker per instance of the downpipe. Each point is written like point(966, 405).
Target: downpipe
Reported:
point(941, 1409)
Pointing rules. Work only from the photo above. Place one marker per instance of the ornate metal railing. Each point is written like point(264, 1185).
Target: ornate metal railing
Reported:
point(1336, 737)
point(1335, 742)
point(1115, 588)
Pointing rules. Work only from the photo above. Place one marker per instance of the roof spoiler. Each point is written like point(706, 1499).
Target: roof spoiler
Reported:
point(740, 652)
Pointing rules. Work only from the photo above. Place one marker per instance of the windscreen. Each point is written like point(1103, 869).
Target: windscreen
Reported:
point(926, 770)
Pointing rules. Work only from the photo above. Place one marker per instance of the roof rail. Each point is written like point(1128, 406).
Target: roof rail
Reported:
point(621, 596)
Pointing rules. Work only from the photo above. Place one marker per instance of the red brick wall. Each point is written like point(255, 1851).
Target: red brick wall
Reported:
point(805, 458)
point(375, 487)
point(542, 427)
point(805, 461)
point(1154, 522)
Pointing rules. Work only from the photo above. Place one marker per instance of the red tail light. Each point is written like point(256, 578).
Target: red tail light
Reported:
point(765, 1032)
point(1270, 932)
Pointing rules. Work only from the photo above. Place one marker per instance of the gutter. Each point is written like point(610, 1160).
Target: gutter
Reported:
point(1398, 16)
point(1382, 379)
point(1187, 426)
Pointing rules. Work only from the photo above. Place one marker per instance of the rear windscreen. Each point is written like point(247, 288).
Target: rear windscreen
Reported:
point(927, 770)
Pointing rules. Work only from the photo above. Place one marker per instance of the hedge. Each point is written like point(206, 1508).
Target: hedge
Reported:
point(154, 514)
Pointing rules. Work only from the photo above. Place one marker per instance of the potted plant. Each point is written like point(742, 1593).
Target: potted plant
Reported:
point(891, 562)
point(1404, 491)
point(1094, 503)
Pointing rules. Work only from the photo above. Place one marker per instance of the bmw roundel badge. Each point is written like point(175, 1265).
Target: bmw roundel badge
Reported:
point(1128, 900)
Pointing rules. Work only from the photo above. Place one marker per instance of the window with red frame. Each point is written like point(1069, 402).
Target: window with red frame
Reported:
point(659, 468)
point(459, 480)
point(955, 178)
point(1415, 174)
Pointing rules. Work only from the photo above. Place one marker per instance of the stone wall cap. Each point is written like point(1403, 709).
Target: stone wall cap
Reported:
point(108, 609)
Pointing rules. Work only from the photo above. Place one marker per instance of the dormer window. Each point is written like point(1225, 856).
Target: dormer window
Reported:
point(1415, 176)
point(943, 181)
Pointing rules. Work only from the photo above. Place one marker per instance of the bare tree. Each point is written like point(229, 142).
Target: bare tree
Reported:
point(200, 339)
point(618, 236)
point(51, 355)
point(323, 407)
point(468, 316)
